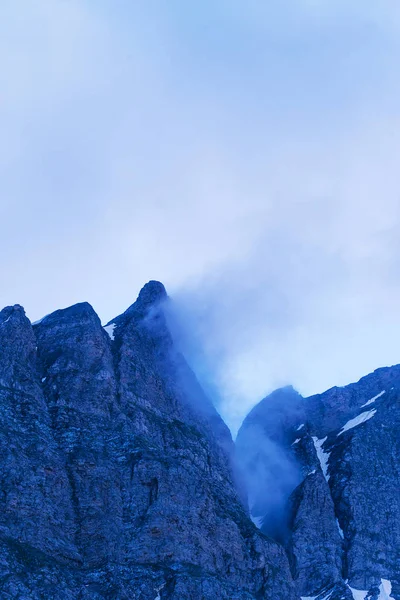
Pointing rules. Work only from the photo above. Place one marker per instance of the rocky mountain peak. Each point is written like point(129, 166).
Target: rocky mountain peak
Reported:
point(116, 474)
point(14, 314)
point(151, 293)
point(147, 305)
point(340, 517)
point(78, 314)
point(118, 477)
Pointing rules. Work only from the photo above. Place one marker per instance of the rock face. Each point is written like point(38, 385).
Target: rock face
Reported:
point(118, 476)
point(116, 470)
point(340, 523)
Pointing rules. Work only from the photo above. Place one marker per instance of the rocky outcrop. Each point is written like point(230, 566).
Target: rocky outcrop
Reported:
point(314, 543)
point(76, 367)
point(342, 521)
point(116, 472)
point(36, 508)
point(118, 476)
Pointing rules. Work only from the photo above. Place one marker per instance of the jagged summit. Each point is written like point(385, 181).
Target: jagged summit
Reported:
point(118, 477)
point(116, 470)
point(81, 310)
point(152, 292)
point(15, 308)
point(17, 311)
point(151, 296)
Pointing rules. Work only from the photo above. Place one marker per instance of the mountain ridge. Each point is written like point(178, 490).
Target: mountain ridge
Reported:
point(119, 479)
point(341, 520)
point(117, 472)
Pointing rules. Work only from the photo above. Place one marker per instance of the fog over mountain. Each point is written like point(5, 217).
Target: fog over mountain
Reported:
point(120, 480)
point(244, 154)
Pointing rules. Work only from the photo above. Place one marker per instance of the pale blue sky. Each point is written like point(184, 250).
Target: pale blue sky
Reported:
point(245, 153)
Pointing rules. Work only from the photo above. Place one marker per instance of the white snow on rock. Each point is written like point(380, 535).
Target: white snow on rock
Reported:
point(340, 529)
point(358, 594)
point(296, 441)
point(315, 597)
point(385, 589)
point(323, 456)
point(300, 427)
point(364, 416)
point(158, 597)
point(110, 330)
point(373, 399)
point(44, 379)
point(258, 521)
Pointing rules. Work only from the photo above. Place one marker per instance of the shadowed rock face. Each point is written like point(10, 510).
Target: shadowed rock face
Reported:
point(116, 474)
point(343, 519)
point(36, 510)
point(76, 366)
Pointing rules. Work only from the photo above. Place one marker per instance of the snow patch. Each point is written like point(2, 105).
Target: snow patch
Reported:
point(364, 416)
point(315, 597)
point(323, 456)
point(110, 330)
point(312, 472)
point(373, 399)
point(296, 441)
point(300, 427)
point(340, 529)
point(44, 379)
point(385, 589)
point(358, 594)
point(258, 521)
point(158, 597)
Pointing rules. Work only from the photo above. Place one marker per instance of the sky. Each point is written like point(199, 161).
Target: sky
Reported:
point(243, 153)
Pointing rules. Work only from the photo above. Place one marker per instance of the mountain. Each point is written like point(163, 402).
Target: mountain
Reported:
point(117, 475)
point(120, 481)
point(324, 480)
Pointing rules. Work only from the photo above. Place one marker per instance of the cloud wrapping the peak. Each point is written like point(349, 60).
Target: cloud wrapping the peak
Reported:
point(243, 154)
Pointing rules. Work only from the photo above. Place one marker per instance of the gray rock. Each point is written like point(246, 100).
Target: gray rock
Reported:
point(314, 543)
point(75, 361)
point(118, 480)
point(36, 511)
point(343, 519)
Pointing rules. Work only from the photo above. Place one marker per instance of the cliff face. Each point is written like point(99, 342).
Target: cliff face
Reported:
point(340, 522)
point(116, 470)
point(117, 473)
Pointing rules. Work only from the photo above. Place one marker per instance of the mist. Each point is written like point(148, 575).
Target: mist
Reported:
point(244, 156)
point(271, 475)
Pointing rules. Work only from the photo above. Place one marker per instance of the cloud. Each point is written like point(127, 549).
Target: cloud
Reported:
point(313, 302)
point(245, 156)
